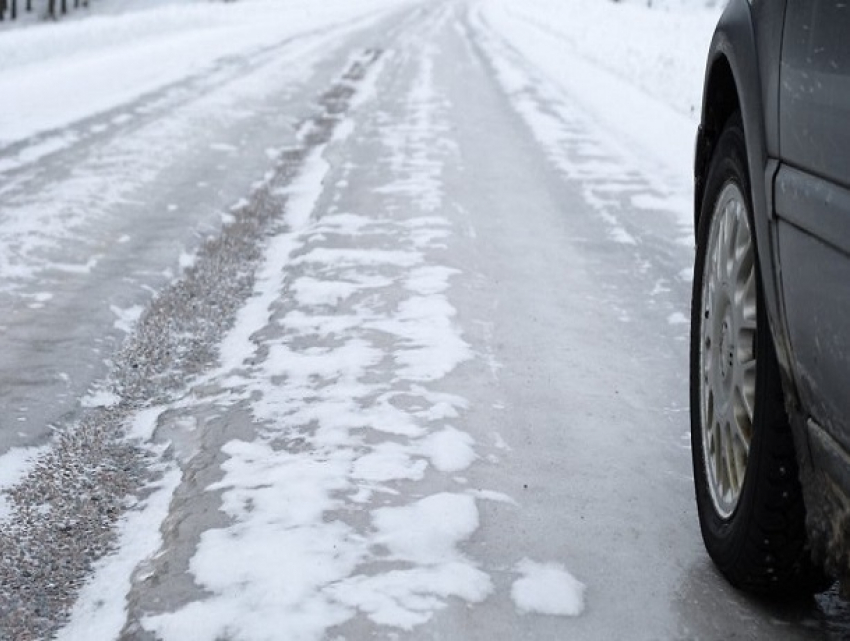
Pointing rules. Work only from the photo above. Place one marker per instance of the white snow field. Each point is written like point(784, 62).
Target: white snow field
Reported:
point(442, 391)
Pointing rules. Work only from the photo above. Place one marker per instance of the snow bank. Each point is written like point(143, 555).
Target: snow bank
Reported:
point(662, 51)
point(632, 73)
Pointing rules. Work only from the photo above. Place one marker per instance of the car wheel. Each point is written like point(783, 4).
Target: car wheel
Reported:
point(748, 493)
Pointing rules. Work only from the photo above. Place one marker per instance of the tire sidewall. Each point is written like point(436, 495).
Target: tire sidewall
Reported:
point(725, 538)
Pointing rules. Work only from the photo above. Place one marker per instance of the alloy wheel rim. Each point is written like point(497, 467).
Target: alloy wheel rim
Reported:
point(727, 349)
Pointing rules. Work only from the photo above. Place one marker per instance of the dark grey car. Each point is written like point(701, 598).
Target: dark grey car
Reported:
point(770, 319)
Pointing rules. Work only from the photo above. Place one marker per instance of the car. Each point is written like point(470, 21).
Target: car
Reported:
point(770, 308)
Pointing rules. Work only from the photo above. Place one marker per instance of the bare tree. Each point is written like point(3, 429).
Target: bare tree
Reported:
point(10, 8)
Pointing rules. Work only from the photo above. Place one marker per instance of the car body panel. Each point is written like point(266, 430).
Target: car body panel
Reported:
point(735, 47)
point(815, 89)
point(813, 204)
point(798, 148)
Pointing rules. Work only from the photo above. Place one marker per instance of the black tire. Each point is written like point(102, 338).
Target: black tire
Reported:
point(761, 546)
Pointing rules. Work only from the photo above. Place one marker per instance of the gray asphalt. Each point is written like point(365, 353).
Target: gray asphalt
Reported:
point(578, 368)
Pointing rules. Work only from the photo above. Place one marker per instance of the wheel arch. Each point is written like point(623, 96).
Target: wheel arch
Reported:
point(742, 73)
point(720, 101)
point(733, 82)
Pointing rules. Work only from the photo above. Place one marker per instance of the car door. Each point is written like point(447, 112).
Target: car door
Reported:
point(812, 204)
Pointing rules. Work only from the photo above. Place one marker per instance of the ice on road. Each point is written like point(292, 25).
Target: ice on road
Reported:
point(370, 325)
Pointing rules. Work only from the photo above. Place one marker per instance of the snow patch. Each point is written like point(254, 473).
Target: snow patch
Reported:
point(126, 319)
point(407, 598)
point(547, 588)
point(428, 531)
point(450, 450)
point(100, 398)
point(15, 465)
point(143, 424)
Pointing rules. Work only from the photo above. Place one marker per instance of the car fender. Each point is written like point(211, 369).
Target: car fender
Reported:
point(750, 58)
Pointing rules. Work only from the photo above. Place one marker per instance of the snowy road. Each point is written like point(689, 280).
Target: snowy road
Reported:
point(376, 330)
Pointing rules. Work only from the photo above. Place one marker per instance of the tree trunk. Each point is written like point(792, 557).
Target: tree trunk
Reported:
point(64, 7)
point(29, 6)
point(14, 15)
point(51, 8)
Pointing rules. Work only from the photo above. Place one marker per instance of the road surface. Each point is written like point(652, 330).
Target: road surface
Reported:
point(370, 333)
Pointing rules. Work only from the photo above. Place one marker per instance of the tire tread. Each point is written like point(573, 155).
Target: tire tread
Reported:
point(763, 546)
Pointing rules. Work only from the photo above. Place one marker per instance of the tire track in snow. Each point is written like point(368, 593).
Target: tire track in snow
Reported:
point(343, 349)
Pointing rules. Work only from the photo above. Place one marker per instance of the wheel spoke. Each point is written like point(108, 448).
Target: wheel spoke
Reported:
point(724, 243)
point(742, 432)
point(742, 265)
point(727, 357)
point(741, 454)
point(731, 472)
point(746, 390)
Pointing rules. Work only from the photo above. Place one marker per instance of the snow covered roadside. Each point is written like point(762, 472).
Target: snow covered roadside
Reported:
point(660, 50)
point(57, 74)
point(636, 73)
